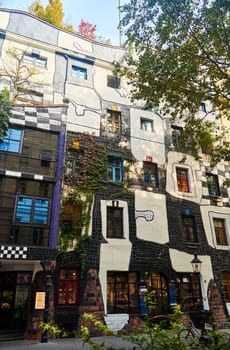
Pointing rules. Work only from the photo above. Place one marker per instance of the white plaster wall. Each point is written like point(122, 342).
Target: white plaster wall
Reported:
point(157, 229)
point(147, 143)
point(181, 262)
point(4, 19)
point(114, 255)
point(195, 179)
point(210, 212)
point(75, 43)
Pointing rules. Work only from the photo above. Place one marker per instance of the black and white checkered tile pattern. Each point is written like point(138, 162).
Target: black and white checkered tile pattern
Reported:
point(13, 252)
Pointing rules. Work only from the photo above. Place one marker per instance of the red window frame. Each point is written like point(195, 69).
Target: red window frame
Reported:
point(182, 180)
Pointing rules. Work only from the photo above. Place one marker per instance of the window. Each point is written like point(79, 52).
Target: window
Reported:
point(188, 291)
point(45, 158)
point(122, 293)
point(32, 210)
point(79, 72)
point(113, 122)
point(146, 124)
point(220, 232)
point(176, 135)
point(202, 107)
point(213, 186)
point(68, 287)
point(29, 97)
point(226, 284)
point(35, 59)
point(189, 229)
point(150, 175)
point(71, 218)
point(113, 81)
point(182, 180)
point(12, 140)
point(115, 222)
point(115, 169)
point(157, 284)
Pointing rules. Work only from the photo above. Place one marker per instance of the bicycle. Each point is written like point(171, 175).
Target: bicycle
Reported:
point(206, 337)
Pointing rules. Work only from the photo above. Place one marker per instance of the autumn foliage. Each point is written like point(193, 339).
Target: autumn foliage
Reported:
point(87, 30)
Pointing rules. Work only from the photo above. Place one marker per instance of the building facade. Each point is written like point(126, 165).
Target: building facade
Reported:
point(132, 208)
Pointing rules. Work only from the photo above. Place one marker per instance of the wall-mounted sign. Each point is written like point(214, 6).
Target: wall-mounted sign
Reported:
point(40, 300)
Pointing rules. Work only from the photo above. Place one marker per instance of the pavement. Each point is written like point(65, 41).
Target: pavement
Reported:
point(110, 342)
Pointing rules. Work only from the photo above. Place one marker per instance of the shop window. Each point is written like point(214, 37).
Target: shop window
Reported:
point(113, 122)
point(150, 174)
point(68, 287)
point(113, 81)
point(12, 140)
point(29, 97)
point(32, 210)
point(35, 59)
point(115, 169)
point(220, 231)
point(188, 291)
point(79, 72)
point(157, 288)
point(182, 179)
point(225, 275)
point(213, 185)
point(122, 292)
point(189, 229)
point(146, 124)
point(115, 222)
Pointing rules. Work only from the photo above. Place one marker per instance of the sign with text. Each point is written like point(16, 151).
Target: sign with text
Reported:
point(40, 300)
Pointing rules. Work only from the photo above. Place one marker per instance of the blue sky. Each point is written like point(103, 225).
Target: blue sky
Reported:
point(103, 13)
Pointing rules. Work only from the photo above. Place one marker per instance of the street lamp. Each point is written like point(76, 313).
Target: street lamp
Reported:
point(48, 267)
point(196, 264)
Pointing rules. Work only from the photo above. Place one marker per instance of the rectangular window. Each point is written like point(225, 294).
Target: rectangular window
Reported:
point(213, 185)
point(45, 158)
point(115, 169)
point(11, 141)
point(150, 174)
point(113, 81)
point(68, 287)
point(176, 135)
point(203, 107)
point(188, 291)
point(113, 122)
point(122, 292)
point(79, 72)
point(115, 222)
point(226, 284)
point(220, 232)
point(189, 229)
point(29, 97)
point(35, 59)
point(32, 210)
point(182, 180)
point(146, 124)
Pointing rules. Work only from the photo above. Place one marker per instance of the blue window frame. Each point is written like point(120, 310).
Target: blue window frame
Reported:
point(11, 141)
point(32, 211)
point(115, 169)
point(79, 72)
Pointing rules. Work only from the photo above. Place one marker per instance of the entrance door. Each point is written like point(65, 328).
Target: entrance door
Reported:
point(14, 293)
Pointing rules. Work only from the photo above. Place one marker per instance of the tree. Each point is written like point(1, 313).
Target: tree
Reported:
point(182, 54)
point(17, 71)
point(87, 30)
point(183, 51)
point(5, 111)
point(52, 13)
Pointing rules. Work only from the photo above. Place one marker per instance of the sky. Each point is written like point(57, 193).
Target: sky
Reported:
point(103, 13)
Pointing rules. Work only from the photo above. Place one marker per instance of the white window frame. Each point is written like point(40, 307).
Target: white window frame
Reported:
point(226, 218)
point(190, 180)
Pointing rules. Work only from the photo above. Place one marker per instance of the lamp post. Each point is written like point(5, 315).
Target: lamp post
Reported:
point(196, 264)
point(48, 267)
